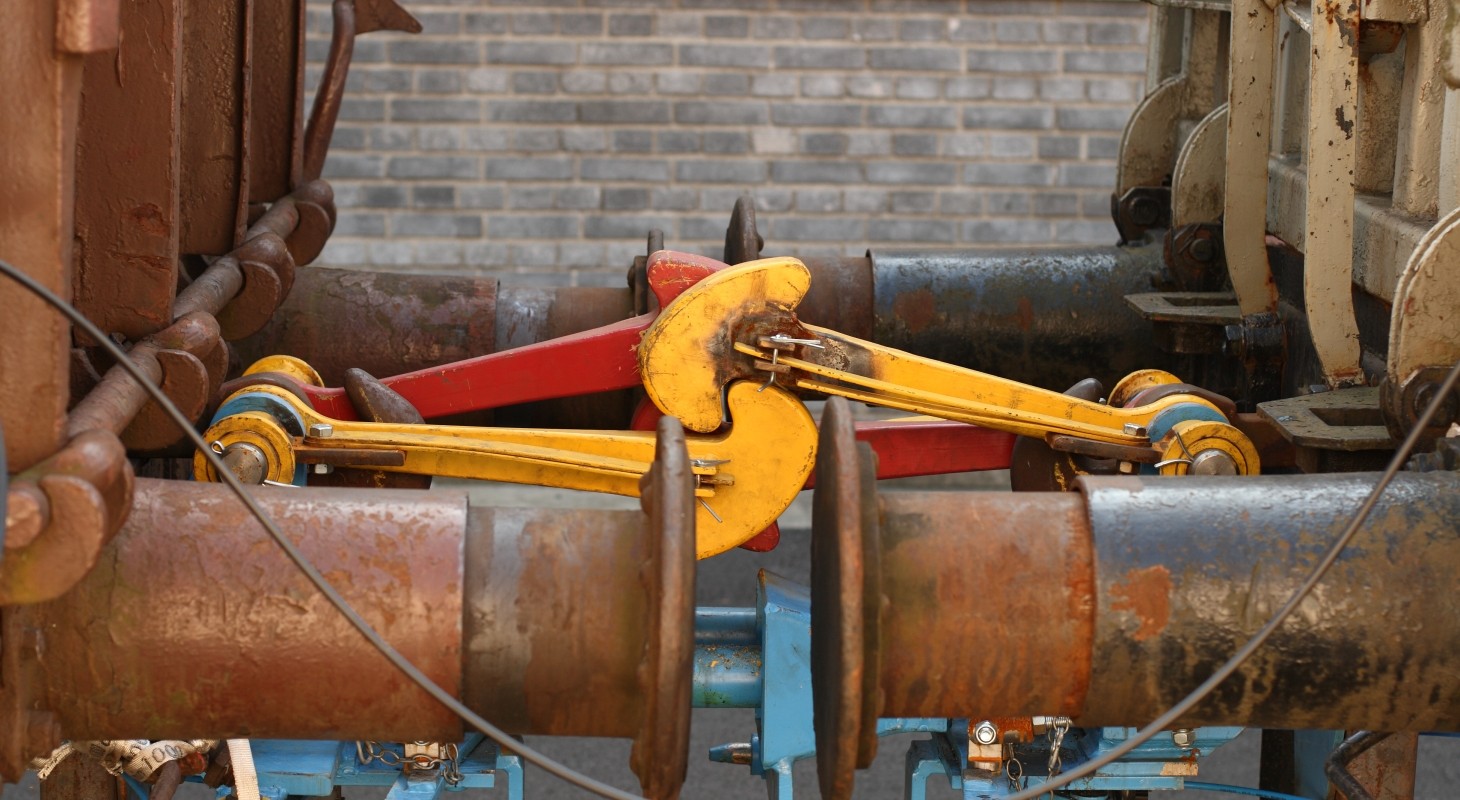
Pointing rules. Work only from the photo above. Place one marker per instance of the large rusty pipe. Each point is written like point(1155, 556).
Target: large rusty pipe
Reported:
point(387, 324)
point(1110, 604)
point(194, 624)
point(1050, 318)
point(1044, 317)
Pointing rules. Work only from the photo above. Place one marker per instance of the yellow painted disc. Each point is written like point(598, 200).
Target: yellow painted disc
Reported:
point(1189, 439)
point(685, 357)
point(255, 428)
point(288, 365)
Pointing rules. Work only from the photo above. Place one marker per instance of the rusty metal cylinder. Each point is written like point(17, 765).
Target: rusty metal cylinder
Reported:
point(1050, 318)
point(1188, 569)
point(1174, 575)
point(540, 660)
point(382, 323)
point(983, 589)
point(388, 324)
point(195, 624)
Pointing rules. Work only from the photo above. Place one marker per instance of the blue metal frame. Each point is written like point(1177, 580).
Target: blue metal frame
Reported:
point(1147, 768)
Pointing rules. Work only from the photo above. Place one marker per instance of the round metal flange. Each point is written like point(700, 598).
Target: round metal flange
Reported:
point(846, 603)
point(660, 754)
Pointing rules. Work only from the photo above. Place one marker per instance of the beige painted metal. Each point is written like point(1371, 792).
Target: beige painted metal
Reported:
point(1452, 40)
point(40, 85)
point(1164, 53)
point(1450, 152)
point(1249, 140)
point(1424, 331)
point(1198, 186)
point(1333, 101)
point(1155, 132)
point(1421, 118)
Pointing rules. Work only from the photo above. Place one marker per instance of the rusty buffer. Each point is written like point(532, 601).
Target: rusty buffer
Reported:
point(549, 622)
point(1109, 604)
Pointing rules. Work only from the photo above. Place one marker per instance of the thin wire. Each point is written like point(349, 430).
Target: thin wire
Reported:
point(1245, 652)
point(411, 671)
point(1249, 791)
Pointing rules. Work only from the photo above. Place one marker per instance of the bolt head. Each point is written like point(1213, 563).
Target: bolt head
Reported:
point(985, 733)
point(321, 430)
point(1183, 737)
point(323, 469)
point(1132, 429)
point(1213, 462)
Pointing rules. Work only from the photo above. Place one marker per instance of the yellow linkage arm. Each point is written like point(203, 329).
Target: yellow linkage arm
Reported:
point(747, 475)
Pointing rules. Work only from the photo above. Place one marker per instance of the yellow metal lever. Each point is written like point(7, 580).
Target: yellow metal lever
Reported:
point(747, 475)
point(741, 324)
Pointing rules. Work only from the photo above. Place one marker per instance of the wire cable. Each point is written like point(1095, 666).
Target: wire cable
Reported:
point(1247, 790)
point(1169, 717)
point(411, 671)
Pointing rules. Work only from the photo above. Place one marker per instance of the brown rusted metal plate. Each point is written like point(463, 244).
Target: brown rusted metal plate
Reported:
point(845, 602)
point(266, 655)
point(556, 620)
point(127, 217)
point(276, 101)
point(41, 88)
point(989, 603)
point(215, 125)
point(660, 756)
point(86, 26)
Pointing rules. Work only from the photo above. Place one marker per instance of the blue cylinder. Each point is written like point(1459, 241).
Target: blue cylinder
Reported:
point(727, 676)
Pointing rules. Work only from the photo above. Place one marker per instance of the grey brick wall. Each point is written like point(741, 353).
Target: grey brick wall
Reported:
point(543, 138)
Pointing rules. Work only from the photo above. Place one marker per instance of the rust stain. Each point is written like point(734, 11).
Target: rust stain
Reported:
point(148, 217)
point(1147, 594)
point(1026, 314)
point(916, 309)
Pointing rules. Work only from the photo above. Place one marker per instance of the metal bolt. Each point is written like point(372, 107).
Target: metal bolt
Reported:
point(1127, 467)
point(323, 469)
point(1183, 738)
point(321, 430)
point(1202, 249)
point(1132, 429)
point(985, 733)
point(1213, 462)
point(1144, 211)
point(247, 462)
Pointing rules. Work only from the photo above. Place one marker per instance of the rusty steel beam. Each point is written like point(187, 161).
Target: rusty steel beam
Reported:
point(215, 138)
point(276, 103)
point(1110, 604)
point(127, 189)
point(41, 84)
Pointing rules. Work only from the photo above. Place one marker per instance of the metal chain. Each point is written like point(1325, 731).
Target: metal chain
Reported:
point(1014, 769)
point(1057, 739)
point(449, 763)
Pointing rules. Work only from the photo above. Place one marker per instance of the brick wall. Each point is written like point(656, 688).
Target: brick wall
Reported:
point(544, 138)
